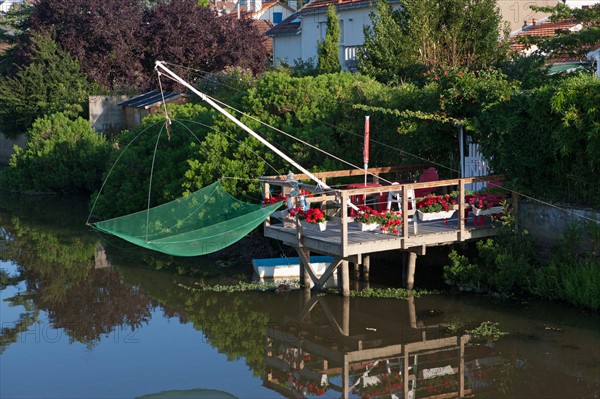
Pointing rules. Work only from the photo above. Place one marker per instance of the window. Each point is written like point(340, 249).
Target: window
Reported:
point(277, 17)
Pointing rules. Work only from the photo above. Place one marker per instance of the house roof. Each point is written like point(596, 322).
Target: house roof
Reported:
point(322, 5)
point(548, 28)
point(265, 6)
point(263, 26)
point(289, 26)
point(150, 99)
point(293, 24)
point(544, 28)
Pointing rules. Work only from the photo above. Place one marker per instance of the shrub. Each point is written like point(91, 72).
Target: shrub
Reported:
point(61, 156)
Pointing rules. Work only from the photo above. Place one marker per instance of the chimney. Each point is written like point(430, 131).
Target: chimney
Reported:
point(533, 21)
point(293, 4)
point(524, 24)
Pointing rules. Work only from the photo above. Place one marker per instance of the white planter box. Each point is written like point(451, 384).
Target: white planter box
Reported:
point(368, 226)
point(426, 216)
point(492, 211)
point(314, 226)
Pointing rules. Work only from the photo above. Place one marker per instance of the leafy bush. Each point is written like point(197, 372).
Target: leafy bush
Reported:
point(547, 140)
point(61, 155)
point(508, 265)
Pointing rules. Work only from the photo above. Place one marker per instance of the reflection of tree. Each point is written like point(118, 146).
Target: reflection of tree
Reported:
point(234, 323)
point(95, 305)
point(10, 334)
point(55, 259)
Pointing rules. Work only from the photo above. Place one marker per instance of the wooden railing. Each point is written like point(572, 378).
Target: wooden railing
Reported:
point(341, 197)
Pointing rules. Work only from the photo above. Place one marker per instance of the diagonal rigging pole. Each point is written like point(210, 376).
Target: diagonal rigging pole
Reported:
point(160, 64)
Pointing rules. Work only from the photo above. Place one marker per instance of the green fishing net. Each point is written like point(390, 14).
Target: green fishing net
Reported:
point(203, 222)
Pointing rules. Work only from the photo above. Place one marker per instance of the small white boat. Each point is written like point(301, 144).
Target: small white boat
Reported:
point(288, 268)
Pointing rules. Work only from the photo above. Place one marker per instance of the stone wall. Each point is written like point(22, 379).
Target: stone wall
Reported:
point(547, 224)
point(105, 115)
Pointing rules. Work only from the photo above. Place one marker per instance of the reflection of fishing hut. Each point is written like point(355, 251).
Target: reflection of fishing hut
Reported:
point(369, 356)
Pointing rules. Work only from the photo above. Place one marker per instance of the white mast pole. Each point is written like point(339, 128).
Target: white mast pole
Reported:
point(159, 64)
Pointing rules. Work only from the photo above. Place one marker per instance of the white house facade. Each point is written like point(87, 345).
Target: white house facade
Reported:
point(298, 37)
point(5, 5)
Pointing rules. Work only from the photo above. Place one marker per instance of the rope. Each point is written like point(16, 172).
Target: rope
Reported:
point(374, 141)
point(87, 222)
point(162, 94)
point(150, 182)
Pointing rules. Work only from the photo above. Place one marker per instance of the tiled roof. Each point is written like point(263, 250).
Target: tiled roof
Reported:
point(289, 26)
point(152, 98)
point(263, 26)
point(321, 5)
point(541, 29)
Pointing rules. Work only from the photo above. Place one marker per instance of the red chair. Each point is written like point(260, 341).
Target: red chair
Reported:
point(430, 174)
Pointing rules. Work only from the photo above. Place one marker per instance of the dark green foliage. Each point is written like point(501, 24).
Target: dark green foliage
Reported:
point(198, 149)
point(51, 82)
point(572, 276)
point(431, 34)
point(385, 56)
point(566, 43)
point(548, 140)
point(508, 265)
point(13, 27)
point(61, 155)
point(502, 264)
point(328, 51)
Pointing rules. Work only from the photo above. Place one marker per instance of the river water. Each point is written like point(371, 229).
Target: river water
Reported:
point(83, 317)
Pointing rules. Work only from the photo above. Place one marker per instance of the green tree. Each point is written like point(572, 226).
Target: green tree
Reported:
point(329, 51)
point(432, 34)
point(61, 155)
point(13, 27)
point(566, 43)
point(548, 140)
point(51, 82)
point(383, 56)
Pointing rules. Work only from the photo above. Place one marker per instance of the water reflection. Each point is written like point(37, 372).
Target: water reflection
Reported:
point(56, 275)
point(337, 344)
point(65, 273)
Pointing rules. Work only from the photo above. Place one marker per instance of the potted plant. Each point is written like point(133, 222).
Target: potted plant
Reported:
point(486, 204)
point(312, 219)
point(434, 207)
point(390, 222)
point(367, 218)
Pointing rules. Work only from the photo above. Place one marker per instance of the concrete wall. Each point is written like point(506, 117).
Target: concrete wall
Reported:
point(6, 146)
point(547, 224)
point(105, 114)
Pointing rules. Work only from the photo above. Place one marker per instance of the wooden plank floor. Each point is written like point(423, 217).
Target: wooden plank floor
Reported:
point(329, 242)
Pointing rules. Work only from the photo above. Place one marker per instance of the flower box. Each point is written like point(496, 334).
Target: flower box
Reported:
point(368, 226)
point(427, 216)
point(491, 211)
point(314, 226)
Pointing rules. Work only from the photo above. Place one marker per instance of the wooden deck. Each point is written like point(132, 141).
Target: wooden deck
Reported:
point(329, 242)
point(343, 239)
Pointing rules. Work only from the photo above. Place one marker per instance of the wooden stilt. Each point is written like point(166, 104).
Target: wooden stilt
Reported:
point(404, 268)
point(344, 279)
point(346, 316)
point(356, 271)
point(410, 270)
point(366, 267)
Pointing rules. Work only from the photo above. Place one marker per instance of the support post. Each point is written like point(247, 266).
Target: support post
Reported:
point(346, 316)
point(515, 211)
point(410, 270)
point(366, 267)
point(344, 279)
